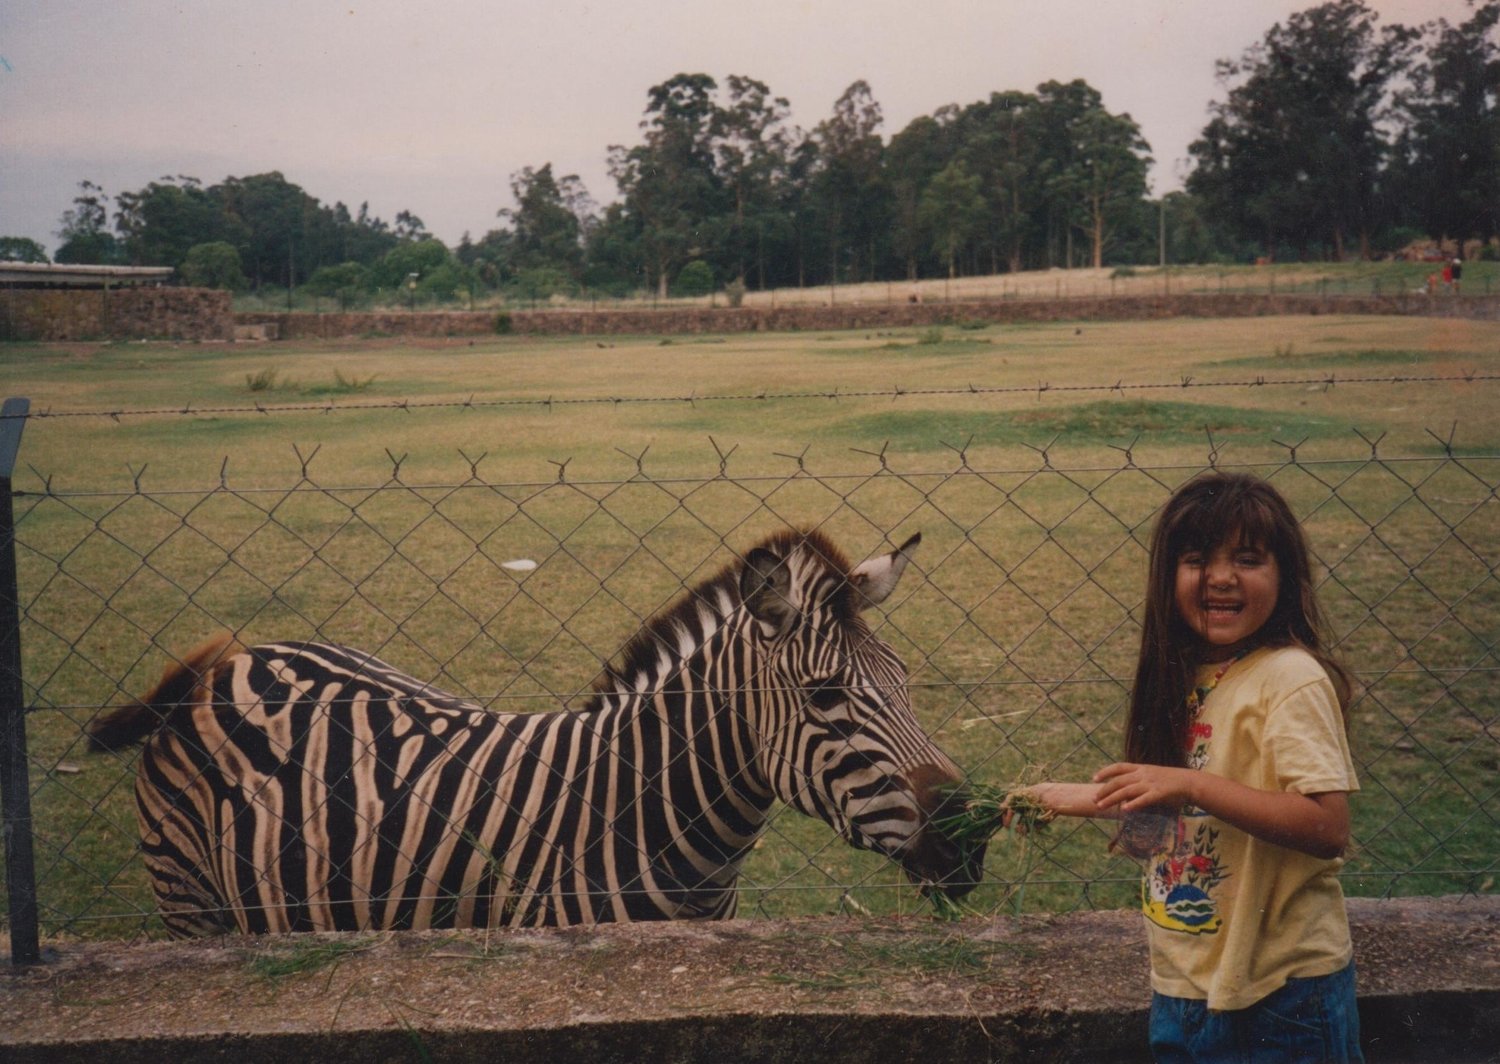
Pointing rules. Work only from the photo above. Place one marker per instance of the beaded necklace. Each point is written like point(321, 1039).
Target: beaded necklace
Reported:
point(1198, 694)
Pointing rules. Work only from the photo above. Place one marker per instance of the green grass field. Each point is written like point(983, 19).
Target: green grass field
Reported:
point(285, 491)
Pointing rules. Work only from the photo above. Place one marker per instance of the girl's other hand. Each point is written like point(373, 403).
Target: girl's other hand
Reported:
point(1314, 824)
point(1128, 787)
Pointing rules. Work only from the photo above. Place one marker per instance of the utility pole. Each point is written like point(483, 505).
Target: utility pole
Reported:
point(1161, 233)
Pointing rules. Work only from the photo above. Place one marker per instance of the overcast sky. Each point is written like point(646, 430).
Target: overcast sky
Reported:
point(431, 108)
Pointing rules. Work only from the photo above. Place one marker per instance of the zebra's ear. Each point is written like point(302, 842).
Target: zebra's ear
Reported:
point(873, 581)
point(766, 590)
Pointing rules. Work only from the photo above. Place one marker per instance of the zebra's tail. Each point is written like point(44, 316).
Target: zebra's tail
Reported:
point(183, 684)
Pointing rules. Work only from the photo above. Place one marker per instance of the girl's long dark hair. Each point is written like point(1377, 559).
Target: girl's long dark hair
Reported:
point(1203, 514)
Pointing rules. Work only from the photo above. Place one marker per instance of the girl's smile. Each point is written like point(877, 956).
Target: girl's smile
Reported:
point(1227, 594)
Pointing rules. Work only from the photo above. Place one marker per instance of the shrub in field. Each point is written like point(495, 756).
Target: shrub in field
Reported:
point(444, 282)
point(264, 381)
point(329, 280)
point(343, 282)
point(420, 257)
point(695, 279)
point(539, 283)
point(342, 385)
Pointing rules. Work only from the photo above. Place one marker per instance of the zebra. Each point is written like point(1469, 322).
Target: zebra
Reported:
point(303, 786)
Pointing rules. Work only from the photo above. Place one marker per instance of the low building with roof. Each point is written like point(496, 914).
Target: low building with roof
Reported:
point(70, 275)
point(64, 301)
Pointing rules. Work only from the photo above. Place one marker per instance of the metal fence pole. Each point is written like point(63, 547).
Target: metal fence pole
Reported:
point(15, 780)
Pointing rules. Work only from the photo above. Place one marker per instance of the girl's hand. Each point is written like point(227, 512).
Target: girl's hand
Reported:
point(1131, 787)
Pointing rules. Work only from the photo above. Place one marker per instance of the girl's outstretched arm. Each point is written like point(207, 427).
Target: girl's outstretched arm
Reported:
point(1316, 824)
point(1071, 799)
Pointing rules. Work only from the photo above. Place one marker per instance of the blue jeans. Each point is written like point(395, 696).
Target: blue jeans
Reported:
point(1307, 1020)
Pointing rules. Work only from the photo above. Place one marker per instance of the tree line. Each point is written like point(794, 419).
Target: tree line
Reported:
point(1334, 137)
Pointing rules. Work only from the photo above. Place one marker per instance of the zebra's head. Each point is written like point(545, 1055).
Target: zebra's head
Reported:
point(839, 740)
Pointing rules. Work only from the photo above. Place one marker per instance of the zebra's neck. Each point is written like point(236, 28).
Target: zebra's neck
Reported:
point(690, 682)
point(688, 799)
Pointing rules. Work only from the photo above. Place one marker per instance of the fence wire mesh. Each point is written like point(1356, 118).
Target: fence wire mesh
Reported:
point(1018, 624)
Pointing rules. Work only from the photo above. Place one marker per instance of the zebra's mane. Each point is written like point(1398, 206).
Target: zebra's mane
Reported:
point(662, 630)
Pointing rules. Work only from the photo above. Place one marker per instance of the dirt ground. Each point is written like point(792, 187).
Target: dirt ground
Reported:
point(1049, 987)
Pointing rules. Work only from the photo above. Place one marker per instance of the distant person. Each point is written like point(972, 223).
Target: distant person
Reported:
point(1447, 275)
point(1456, 269)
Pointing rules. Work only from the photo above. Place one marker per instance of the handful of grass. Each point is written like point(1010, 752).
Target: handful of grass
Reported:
point(972, 815)
point(979, 811)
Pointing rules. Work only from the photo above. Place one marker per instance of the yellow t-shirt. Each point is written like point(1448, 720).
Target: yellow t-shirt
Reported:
point(1230, 917)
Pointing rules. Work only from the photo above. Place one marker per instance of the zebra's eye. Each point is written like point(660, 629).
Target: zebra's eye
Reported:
point(826, 694)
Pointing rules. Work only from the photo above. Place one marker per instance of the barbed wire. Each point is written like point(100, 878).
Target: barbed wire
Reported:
point(1046, 459)
point(1039, 389)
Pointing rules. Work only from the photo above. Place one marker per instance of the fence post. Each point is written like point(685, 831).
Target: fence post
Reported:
point(15, 780)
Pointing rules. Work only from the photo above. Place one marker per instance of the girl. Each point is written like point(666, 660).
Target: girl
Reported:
point(1234, 787)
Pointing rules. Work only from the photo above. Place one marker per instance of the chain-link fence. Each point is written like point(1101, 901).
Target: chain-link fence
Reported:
point(1018, 623)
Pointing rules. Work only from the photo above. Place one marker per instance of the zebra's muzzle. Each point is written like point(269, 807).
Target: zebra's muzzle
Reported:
point(933, 860)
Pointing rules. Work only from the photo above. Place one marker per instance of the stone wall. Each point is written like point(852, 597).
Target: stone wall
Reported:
point(155, 313)
point(205, 314)
point(694, 320)
point(382, 323)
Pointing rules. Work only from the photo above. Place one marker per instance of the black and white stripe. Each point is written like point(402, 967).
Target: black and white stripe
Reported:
point(303, 786)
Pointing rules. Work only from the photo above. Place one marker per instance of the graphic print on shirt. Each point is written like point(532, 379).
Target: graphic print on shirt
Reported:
point(1177, 888)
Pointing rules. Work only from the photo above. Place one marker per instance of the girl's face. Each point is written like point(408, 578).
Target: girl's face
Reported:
point(1227, 594)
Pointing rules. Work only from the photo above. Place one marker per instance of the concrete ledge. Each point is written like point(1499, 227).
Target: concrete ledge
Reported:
point(1069, 987)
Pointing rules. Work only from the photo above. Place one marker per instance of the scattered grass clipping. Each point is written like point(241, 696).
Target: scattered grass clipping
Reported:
point(304, 956)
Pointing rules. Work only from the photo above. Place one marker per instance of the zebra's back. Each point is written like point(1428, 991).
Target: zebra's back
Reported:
point(317, 788)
